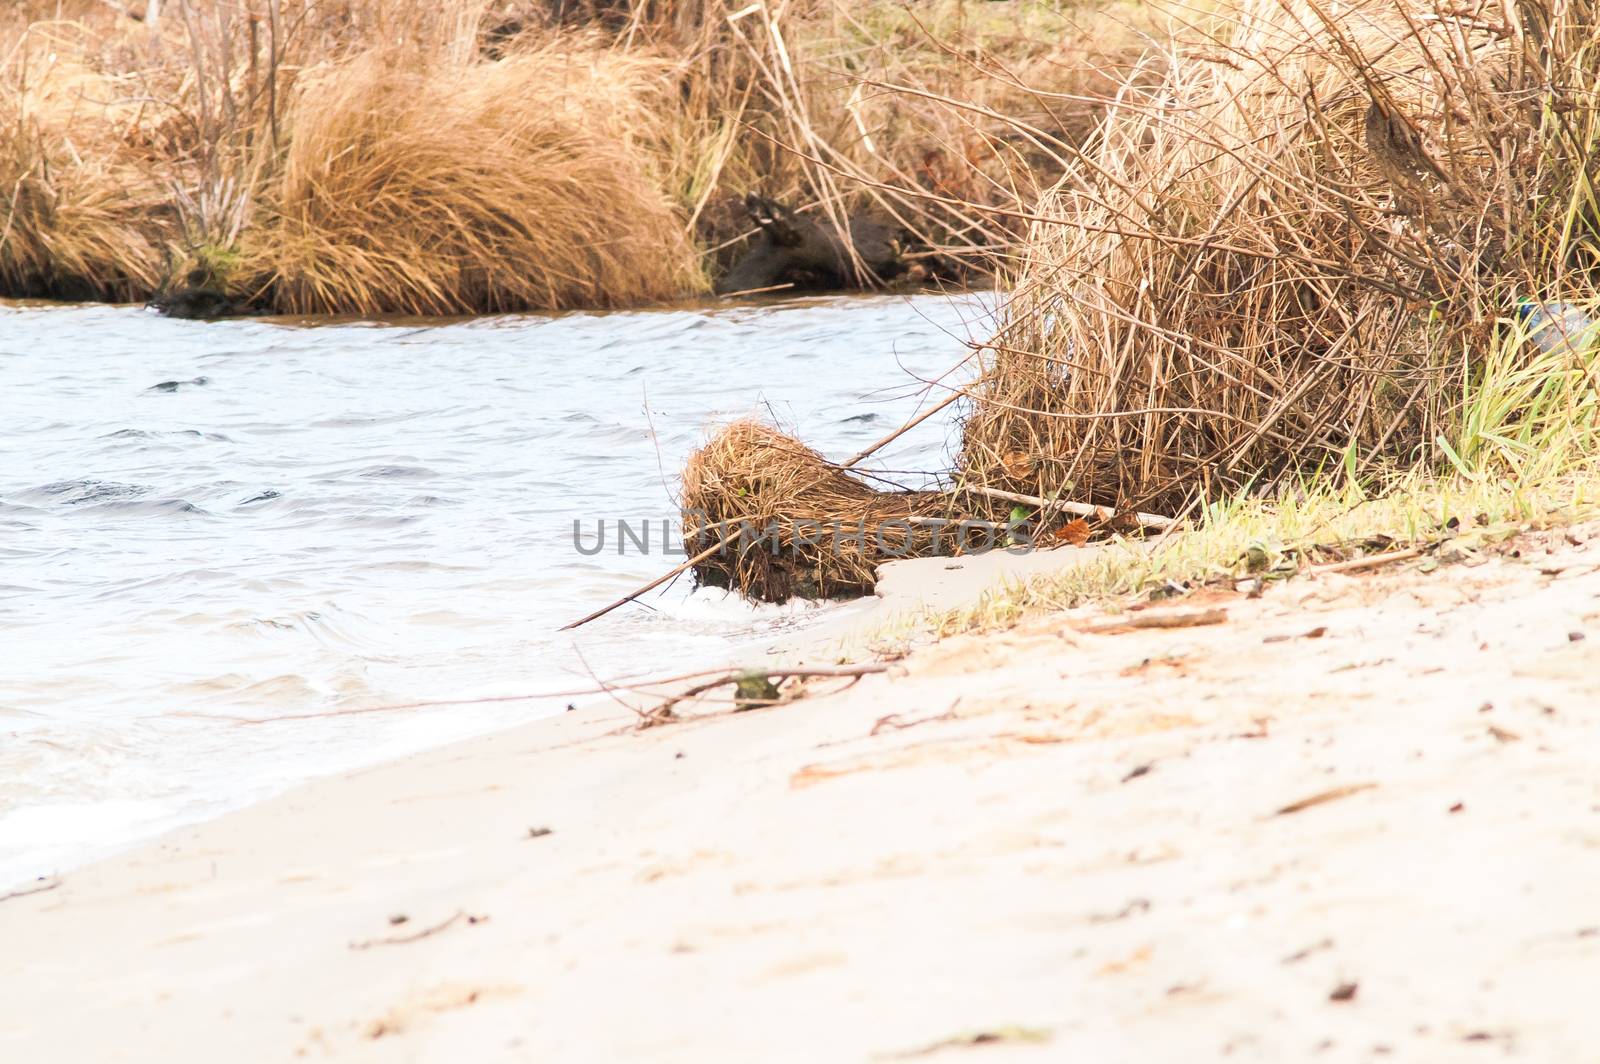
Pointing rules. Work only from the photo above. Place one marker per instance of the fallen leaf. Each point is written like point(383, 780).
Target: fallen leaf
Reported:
point(1171, 662)
point(1315, 947)
point(1074, 532)
point(1344, 992)
point(1315, 633)
point(1133, 960)
point(1133, 908)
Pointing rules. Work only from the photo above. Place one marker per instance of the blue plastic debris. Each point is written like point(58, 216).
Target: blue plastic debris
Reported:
point(1553, 326)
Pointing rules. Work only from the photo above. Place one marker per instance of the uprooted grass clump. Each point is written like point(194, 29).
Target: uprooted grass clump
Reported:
point(1296, 251)
point(791, 523)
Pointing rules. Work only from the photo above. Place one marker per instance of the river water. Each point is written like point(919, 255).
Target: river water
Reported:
point(208, 523)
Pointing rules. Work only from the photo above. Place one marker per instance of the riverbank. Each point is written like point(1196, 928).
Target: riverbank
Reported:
point(397, 157)
point(1256, 827)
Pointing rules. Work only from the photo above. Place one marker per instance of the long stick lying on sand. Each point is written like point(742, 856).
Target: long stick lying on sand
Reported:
point(1082, 509)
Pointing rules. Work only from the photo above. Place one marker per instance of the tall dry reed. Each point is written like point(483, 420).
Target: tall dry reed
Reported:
point(1285, 253)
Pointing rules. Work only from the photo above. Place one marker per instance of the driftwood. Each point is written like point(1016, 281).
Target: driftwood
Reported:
point(1081, 509)
point(751, 677)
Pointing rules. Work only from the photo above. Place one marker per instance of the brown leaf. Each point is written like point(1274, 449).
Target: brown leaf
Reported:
point(1075, 532)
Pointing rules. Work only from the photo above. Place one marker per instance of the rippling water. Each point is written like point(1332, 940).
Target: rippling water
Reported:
point(206, 522)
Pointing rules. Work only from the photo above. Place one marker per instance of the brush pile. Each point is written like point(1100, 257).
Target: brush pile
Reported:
point(1281, 255)
point(793, 523)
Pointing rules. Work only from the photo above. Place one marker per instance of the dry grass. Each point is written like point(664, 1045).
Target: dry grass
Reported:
point(795, 523)
point(1283, 279)
point(1237, 544)
point(1291, 253)
point(79, 218)
point(929, 115)
point(234, 146)
point(455, 186)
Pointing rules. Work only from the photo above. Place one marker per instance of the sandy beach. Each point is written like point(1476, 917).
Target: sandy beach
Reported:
point(1353, 818)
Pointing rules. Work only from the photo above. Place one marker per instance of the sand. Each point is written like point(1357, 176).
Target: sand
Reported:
point(1355, 818)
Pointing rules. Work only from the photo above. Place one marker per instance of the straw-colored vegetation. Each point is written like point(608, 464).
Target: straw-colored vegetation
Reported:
point(1295, 250)
point(1297, 267)
point(79, 216)
point(789, 522)
point(440, 189)
point(373, 156)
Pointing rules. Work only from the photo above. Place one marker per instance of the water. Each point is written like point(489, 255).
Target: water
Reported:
point(203, 523)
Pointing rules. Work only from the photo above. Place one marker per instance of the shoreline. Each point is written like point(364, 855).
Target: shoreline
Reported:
point(1072, 837)
point(105, 685)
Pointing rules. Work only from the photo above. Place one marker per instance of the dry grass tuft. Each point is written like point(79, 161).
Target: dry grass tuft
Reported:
point(797, 524)
point(450, 187)
point(79, 219)
point(1287, 253)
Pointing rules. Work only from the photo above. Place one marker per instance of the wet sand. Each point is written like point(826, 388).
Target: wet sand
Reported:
point(1355, 818)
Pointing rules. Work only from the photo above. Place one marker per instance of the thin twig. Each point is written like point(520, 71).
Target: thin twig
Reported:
point(657, 582)
point(1363, 563)
point(902, 430)
point(417, 936)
